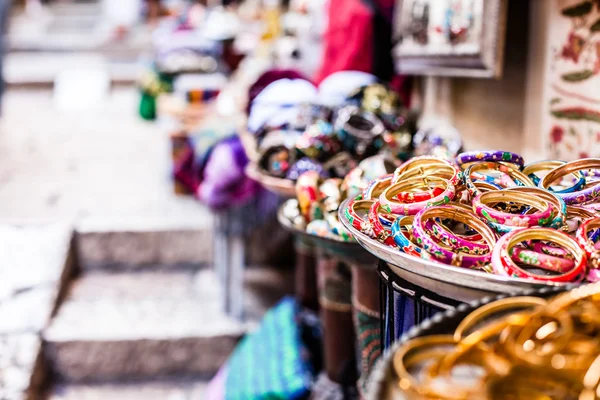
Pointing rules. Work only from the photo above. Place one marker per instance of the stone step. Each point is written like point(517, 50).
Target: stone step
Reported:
point(146, 324)
point(131, 244)
point(155, 390)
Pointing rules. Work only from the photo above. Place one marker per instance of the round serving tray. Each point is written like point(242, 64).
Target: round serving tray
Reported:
point(282, 187)
point(351, 253)
point(460, 284)
point(382, 384)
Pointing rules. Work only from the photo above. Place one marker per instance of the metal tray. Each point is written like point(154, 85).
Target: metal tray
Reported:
point(456, 283)
point(351, 253)
point(382, 383)
point(282, 187)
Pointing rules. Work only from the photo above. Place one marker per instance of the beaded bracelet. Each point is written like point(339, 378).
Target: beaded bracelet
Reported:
point(504, 265)
point(390, 205)
point(585, 195)
point(443, 254)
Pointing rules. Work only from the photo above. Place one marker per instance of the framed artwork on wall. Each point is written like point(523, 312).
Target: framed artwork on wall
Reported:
point(450, 37)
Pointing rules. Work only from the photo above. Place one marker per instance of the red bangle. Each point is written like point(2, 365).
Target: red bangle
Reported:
point(358, 222)
point(382, 234)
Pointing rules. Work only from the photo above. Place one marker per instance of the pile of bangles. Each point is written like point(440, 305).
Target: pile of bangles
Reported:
point(514, 348)
point(488, 211)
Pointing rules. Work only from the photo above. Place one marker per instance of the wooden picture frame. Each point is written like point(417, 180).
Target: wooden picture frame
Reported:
point(424, 45)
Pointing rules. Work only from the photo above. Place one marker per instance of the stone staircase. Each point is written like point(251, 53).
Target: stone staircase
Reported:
point(132, 314)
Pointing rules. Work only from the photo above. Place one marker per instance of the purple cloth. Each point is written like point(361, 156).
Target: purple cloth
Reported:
point(223, 181)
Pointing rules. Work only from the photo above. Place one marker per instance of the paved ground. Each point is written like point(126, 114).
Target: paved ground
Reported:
point(101, 163)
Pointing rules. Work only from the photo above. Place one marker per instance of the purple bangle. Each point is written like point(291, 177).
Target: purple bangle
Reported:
point(443, 254)
point(492, 155)
point(454, 241)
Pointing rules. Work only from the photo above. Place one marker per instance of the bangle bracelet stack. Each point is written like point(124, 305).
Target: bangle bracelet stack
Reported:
point(542, 217)
point(490, 217)
point(428, 166)
point(521, 348)
point(588, 194)
point(440, 252)
point(548, 165)
point(504, 265)
point(505, 170)
point(388, 196)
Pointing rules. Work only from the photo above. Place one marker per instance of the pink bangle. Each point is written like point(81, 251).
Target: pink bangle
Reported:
point(540, 260)
point(503, 264)
point(541, 217)
point(390, 205)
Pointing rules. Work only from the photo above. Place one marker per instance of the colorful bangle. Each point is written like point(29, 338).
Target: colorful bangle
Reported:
point(428, 166)
point(542, 217)
point(390, 205)
point(418, 197)
point(453, 241)
point(376, 187)
point(541, 260)
point(582, 196)
point(504, 265)
point(477, 156)
point(576, 216)
point(517, 176)
point(443, 254)
point(357, 221)
point(378, 229)
point(308, 194)
point(586, 244)
point(404, 243)
point(560, 207)
point(531, 169)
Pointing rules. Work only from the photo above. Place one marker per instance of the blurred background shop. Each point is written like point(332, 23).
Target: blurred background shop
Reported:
point(158, 160)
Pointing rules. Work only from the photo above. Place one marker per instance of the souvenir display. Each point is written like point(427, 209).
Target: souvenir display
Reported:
point(525, 347)
point(470, 213)
point(333, 138)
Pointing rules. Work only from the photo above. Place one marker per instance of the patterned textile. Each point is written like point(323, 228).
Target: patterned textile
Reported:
point(368, 333)
point(270, 363)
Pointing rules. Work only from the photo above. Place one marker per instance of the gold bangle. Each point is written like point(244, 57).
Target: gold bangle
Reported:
point(568, 168)
point(485, 311)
